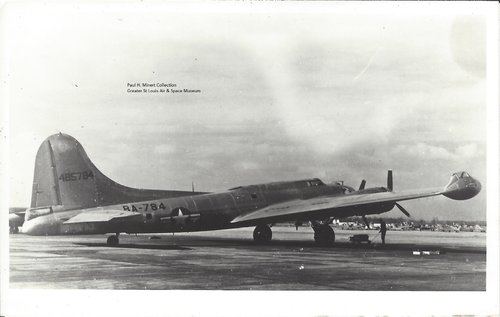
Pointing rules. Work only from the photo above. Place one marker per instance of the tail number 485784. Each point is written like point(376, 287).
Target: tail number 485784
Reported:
point(76, 176)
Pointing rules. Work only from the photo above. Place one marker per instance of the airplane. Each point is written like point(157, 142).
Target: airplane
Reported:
point(70, 196)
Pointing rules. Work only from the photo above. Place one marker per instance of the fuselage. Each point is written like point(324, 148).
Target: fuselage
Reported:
point(210, 211)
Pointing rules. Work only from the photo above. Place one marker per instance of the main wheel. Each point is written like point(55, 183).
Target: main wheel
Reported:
point(262, 234)
point(112, 241)
point(324, 235)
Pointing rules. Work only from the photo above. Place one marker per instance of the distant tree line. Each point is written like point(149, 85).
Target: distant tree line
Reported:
point(434, 221)
point(395, 220)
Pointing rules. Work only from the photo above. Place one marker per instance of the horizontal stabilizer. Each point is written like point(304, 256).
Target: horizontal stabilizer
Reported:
point(20, 211)
point(103, 215)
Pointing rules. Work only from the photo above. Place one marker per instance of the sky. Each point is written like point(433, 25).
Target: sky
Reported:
point(287, 92)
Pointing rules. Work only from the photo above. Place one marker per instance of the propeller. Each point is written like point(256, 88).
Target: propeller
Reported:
point(389, 180)
point(403, 210)
point(390, 187)
point(362, 185)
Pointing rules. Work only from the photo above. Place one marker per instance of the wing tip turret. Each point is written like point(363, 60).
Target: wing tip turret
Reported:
point(462, 186)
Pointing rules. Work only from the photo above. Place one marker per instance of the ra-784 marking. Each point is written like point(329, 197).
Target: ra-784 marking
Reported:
point(151, 206)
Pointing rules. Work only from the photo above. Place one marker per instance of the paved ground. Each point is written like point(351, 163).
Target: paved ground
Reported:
point(229, 259)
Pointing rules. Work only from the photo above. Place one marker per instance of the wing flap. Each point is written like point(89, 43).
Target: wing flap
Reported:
point(320, 204)
point(103, 215)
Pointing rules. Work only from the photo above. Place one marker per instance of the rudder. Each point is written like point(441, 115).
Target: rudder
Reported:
point(65, 176)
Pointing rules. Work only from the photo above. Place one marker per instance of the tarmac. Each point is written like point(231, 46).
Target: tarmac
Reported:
point(230, 260)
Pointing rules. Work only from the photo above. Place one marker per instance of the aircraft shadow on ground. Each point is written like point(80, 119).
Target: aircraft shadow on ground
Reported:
point(136, 246)
point(338, 245)
point(188, 244)
point(310, 244)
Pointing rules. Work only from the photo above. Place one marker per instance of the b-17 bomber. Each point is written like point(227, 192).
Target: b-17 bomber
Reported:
point(70, 196)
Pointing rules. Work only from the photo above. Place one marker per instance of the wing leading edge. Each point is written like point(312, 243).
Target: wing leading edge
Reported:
point(460, 187)
point(330, 205)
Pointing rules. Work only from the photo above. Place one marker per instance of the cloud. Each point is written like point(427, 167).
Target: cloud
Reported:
point(278, 99)
point(164, 149)
point(468, 151)
point(366, 67)
point(424, 151)
point(468, 44)
point(246, 165)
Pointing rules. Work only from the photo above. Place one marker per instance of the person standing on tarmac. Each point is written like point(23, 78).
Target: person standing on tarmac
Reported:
point(383, 229)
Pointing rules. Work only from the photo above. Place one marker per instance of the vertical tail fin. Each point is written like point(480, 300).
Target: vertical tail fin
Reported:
point(65, 176)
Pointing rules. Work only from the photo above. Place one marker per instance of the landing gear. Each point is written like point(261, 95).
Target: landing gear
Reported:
point(324, 235)
point(262, 234)
point(13, 229)
point(113, 240)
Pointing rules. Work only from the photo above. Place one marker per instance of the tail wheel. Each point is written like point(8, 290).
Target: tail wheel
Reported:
point(324, 235)
point(112, 241)
point(262, 234)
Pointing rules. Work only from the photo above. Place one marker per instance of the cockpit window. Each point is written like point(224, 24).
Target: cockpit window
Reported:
point(461, 175)
point(347, 189)
point(315, 182)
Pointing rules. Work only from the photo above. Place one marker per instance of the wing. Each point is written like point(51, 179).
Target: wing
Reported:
point(103, 215)
point(331, 206)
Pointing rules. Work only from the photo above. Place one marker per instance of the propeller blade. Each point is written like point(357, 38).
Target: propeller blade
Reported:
point(362, 185)
point(389, 180)
point(403, 210)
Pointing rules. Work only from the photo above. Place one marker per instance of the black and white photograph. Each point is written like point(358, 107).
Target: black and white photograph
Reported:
point(249, 159)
